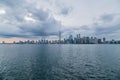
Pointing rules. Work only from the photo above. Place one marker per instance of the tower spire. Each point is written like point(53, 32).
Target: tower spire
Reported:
point(60, 35)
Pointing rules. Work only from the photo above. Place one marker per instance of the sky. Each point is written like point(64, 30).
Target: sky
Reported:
point(36, 19)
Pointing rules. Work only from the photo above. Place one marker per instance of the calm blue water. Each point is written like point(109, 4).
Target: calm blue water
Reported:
point(59, 62)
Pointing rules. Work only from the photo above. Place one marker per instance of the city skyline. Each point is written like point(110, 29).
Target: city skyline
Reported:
point(46, 18)
point(78, 39)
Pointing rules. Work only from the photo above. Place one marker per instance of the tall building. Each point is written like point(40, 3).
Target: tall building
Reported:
point(104, 40)
point(91, 40)
point(70, 39)
point(59, 36)
point(95, 40)
point(99, 41)
point(87, 40)
point(78, 38)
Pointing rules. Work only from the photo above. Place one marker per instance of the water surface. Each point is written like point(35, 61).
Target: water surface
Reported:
point(59, 62)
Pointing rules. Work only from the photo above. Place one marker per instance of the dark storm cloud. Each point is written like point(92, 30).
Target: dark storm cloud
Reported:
point(45, 29)
point(44, 23)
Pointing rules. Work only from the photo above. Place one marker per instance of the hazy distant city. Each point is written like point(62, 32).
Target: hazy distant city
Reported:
point(70, 40)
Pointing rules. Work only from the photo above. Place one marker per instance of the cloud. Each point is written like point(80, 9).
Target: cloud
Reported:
point(27, 21)
point(2, 11)
point(107, 25)
point(110, 25)
point(100, 30)
point(37, 18)
point(65, 11)
point(12, 4)
point(39, 14)
point(48, 27)
point(107, 17)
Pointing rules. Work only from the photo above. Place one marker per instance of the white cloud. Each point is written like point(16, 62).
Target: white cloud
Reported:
point(2, 11)
point(29, 17)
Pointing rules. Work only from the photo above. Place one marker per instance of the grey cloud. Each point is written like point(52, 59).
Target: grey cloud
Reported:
point(107, 17)
point(62, 8)
point(111, 28)
point(45, 25)
point(101, 29)
point(106, 30)
point(13, 4)
point(13, 23)
point(85, 27)
point(7, 35)
point(39, 14)
point(41, 29)
point(65, 10)
point(48, 26)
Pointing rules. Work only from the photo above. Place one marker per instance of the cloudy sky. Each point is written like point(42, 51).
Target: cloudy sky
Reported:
point(35, 19)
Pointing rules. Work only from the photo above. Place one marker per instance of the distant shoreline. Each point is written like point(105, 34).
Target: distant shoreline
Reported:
point(54, 44)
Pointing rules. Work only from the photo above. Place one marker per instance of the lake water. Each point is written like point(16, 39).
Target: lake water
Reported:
point(59, 62)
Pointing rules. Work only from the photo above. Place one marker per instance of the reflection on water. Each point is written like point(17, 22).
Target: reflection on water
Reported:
point(59, 62)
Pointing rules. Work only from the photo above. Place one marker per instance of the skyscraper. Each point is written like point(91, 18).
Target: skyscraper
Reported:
point(104, 40)
point(59, 36)
point(78, 38)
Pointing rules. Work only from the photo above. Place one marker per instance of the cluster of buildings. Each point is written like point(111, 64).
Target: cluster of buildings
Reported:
point(88, 40)
point(84, 40)
point(70, 40)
